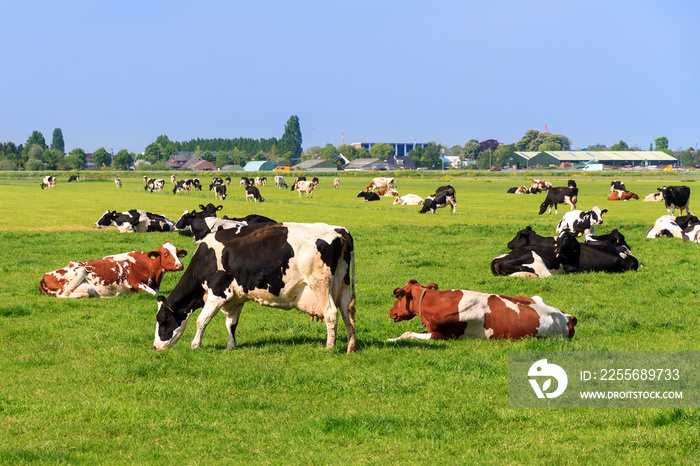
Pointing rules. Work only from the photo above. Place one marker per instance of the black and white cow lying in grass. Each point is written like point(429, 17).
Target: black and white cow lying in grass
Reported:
point(135, 220)
point(686, 227)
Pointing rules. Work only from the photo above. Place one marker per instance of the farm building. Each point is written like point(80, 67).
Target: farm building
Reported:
point(366, 165)
point(260, 166)
point(198, 164)
point(319, 165)
point(621, 158)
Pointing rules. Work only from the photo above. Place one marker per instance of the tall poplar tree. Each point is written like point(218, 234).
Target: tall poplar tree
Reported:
point(57, 142)
point(291, 140)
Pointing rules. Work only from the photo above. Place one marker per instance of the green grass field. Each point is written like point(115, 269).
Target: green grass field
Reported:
point(81, 384)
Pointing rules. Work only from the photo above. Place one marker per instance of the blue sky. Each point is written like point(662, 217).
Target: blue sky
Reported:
point(119, 74)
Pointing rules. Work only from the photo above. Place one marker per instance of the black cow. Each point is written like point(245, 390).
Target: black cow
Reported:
point(314, 180)
point(528, 237)
point(537, 260)
point(617, 186)
point(444, 196)
point(369, 196)
point(559, 195)
point(602, 257)
point(676, 196)
point(310, 267)
point(74, 178)
point(615, 238)
point(135, 221)
point(252, 192)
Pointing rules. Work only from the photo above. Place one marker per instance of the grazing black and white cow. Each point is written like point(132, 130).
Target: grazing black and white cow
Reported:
point(184, 186)
point(48, 182)
point(616, 185)
point(598, 257)
point(580, 222)
point(310, 267)
point(154, 185)
point(444, 196)
point(280, 183)
point(227, 180)
point(676, 196)
point(118, 182)
point(219, 191)
point(314, 180)
point(524, 190)
point(75, 178)
point(559, 195)
point(150, 182)
point(368, 196)
point(252, 192)
point(135, 220)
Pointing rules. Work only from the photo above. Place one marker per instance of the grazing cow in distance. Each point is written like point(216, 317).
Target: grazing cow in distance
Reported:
point(388, 192)
point(559, 195)
point(185, 186)
point(252, 192)
point(676, 196)
point(444, 196)
point(465, 314)
point(541, 185)
point(227, 180)
point(75, 178)
point(622, 196)
point(368, 196)
point(310, 267)
point(304, 187)
point(280, 183)
point(524, 190)
point(380, 183)
point(219, 191)
point(172, 180)
point(260, 181)
point(150, 183)
point(336, 183)
point(158, 185)
point(114, 275)
point(246, 181)
point(616, 185)
point(654, 197)
point(48, 182)
point(409, 199)
point(580, 222)
point(145, 179)
point(314, 180)
point(135, 220)
point(118, 182)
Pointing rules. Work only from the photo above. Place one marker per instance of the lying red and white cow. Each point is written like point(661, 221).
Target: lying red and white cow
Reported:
point(469, 314)
point(388, 192)
point(622, 196)
point(114, 275)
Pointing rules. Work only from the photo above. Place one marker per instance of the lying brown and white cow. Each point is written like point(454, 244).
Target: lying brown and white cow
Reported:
point(114, 275)
point(470, 314)
point(622, 196)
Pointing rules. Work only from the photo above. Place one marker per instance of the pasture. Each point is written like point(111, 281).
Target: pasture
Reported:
point(81, 384)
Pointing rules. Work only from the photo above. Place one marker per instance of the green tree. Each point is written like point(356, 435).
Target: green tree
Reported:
point(382, 151)
point(661, 143)
point(208, 156)
point(236, 157)
point(471, 149)
point(620, 146)
point(430, 157)
point(455, 151)
point(548, 146)
point(312, 153)
point(123, 160)
point(57, 141)
point(416, 154)
point(77, 159)
point(101, 158)
point(52, 158)
point(330, 153)
point(533, 139)
point(222, 159)
point(503, 154)
point(352, 152)
point(37, 138)
point(291, 139)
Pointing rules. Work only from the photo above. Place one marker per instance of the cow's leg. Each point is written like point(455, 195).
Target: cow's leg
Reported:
point(232, 315)
point(77, 278)
point(330, 316)
point(347, 310)
point(211, 307)
point(412, 336)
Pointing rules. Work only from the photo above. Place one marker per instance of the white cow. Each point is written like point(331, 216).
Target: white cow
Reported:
point(409, 199)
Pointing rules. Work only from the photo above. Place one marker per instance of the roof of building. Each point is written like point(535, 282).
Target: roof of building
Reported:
point(198, 164)
point(363, 164)
point(260, 165)
point(602, 156)
point(315, 165)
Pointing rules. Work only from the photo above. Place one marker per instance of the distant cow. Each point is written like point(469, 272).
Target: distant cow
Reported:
point(154, 185)
point(524, 190)
point(676, 196)
point(310, 267)
point(114, 275)
point(470, 314)
point(75, 178)
point(172, 180)
point(219, 191)
point(48, 182)
point(444, 196)
point(368, 196)
point(380, 183)
point(622, 196)
point(118, 182)
point(336, 183)
point(314, 180)
point(541, 185)
point(252, 192)
point(246, 181)
point(304, 187)
point(581, 222)
point(409, 199)
point(260, 181)
point(280, 183)
point(388, 192)
point(617, 186)
point(183, 186)
point(135, 221)
point(654, 197)
point(559, 195)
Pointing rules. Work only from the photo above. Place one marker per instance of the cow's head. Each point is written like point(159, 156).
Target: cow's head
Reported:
point(597, 215)
point(571, 322)
point(521, 239)
point(543, 208)
point(106, 219)
point(567, 246)
point(170, 325)
point(406, 307)
point(169, 256)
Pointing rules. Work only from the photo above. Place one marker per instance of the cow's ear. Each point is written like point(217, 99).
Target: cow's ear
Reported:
point(580, 233)
point(181, 253)
point(399, 292)
point(154, 255)
point(202, 207)
point(432, 286)
point(219, 207)
point(603, 211)
point(658, 189)
point(114, 212)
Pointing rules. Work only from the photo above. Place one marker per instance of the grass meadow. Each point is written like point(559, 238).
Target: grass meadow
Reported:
point(81, 384)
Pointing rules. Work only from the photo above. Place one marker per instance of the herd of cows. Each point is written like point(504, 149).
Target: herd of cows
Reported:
point(311, 267)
